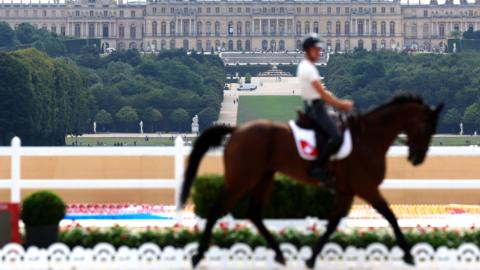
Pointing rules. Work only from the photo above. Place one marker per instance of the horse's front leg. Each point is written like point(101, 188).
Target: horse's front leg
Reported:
point(380, 204)
point(343, 202)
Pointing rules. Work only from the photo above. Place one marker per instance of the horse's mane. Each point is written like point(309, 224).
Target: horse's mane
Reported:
point(400, 99)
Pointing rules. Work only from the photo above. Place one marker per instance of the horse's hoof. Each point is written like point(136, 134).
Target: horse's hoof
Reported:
point(408, 259)
point(310, 263)
point(196, 260)
point(279, 259)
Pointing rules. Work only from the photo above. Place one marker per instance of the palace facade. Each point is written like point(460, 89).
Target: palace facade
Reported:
point(250, 25)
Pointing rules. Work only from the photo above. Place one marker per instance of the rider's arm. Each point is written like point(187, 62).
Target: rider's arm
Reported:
point(327, 96)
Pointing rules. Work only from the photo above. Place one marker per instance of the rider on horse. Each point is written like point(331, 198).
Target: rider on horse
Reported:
point(315, 96)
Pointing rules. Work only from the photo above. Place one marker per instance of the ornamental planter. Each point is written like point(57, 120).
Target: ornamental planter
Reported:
point(41, 236)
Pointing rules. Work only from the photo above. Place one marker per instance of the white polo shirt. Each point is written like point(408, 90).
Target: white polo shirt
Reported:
point(307, 73)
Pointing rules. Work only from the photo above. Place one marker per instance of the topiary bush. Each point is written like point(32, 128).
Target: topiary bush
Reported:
point(288, 199)
point(43, 208)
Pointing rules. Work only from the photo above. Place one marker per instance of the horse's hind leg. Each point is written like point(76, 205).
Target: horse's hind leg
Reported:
point(343, 202)
point(258, 197)
point(380, 204)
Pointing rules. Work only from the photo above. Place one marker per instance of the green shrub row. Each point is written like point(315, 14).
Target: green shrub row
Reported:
point(288, 199)
point(225, 237)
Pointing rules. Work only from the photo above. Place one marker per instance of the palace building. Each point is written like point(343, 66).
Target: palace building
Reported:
point(250, 25)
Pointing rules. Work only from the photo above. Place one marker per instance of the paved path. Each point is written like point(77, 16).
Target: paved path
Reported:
point(228, 112)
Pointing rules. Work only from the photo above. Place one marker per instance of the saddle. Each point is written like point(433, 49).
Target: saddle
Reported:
point(307, 135)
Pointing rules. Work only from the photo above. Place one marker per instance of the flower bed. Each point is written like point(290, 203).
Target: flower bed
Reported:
point(225, 237)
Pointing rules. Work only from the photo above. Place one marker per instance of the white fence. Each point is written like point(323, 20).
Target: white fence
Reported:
point(239, 256)
point(179, 151)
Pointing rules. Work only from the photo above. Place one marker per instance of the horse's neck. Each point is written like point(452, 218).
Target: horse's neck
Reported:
point(385, 125)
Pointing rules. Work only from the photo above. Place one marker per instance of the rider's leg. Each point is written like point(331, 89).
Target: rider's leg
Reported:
point(318, 113)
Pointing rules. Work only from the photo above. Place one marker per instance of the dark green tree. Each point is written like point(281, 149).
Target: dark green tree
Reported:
point(7, 35)
point(127, 115)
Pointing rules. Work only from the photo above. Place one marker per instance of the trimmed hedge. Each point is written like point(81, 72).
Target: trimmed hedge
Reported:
point(288, 199)
point(224, 237)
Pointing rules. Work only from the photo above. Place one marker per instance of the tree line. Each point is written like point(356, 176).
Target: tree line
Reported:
point(41, 99)
point(46, 93)
point(370, 78)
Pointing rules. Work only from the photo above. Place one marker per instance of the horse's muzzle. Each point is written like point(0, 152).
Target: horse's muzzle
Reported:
point(415, 159)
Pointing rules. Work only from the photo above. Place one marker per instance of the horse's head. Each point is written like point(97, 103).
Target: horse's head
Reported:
point(419, 130)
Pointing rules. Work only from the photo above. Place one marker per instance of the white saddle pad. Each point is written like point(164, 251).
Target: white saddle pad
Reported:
point(307, 144)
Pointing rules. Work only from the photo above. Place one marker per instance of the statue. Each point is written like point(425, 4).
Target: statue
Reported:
point(454, 50)
point(141, 127)
point(461, 128)
point(94, 127)
point(195, 124)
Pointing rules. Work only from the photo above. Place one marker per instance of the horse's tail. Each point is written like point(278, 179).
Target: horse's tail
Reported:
point(209, 138)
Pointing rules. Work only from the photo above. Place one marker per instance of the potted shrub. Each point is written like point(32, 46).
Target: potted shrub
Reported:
point(41, 213)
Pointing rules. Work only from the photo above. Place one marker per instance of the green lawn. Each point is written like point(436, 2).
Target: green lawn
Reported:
point(278, 108)
point(88, 141)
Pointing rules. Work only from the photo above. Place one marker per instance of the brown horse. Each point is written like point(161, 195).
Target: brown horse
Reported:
point(257, 150)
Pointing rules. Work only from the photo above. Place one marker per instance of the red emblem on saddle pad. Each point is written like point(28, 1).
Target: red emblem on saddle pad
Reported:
point(308, 149)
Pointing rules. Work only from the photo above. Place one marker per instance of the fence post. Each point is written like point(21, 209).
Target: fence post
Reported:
point(179, 170)
point(15, 170)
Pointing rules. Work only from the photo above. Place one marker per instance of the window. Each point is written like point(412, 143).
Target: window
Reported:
point(62, 30)
point(247, 10)
point(338, 28)
point(392, 28)
point(77, 13)
point(163, 10)
point(53, 29)
point(132, 13)
point(239, 10)
point(383, 28)
point(383, 9)
point(425, 13)
point(329, 27)
point(374, 10)
point(374, 28)
point(299, 10)
point(337, 10)
point(121, 31)
point(307, 27)
point(347, 10)
point(360, 27)
point(105, 13)
point(172, 28)
point(121, 13)
point(209, 10)
point(105, 30)
point(315, 27)
point(133, 31)
point(163, 28)
point(91, 30)
point(199, 28)
point(347, 28)
point(44, 13)
point(307, 10)
point(442, 30)
point(208, 28)
point(77, 30)
point(239, 28)
point(392, 10)
point(315, 10)
point(217, 28)
point(154, 10)
point(329, 10)
point(154, 28)
point(230, 10)
point(217, 10)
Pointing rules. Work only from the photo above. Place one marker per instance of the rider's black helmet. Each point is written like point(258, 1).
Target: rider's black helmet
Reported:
point(311, 41)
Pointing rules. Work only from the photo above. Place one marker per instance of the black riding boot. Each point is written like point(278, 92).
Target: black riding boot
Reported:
point(318, 169)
